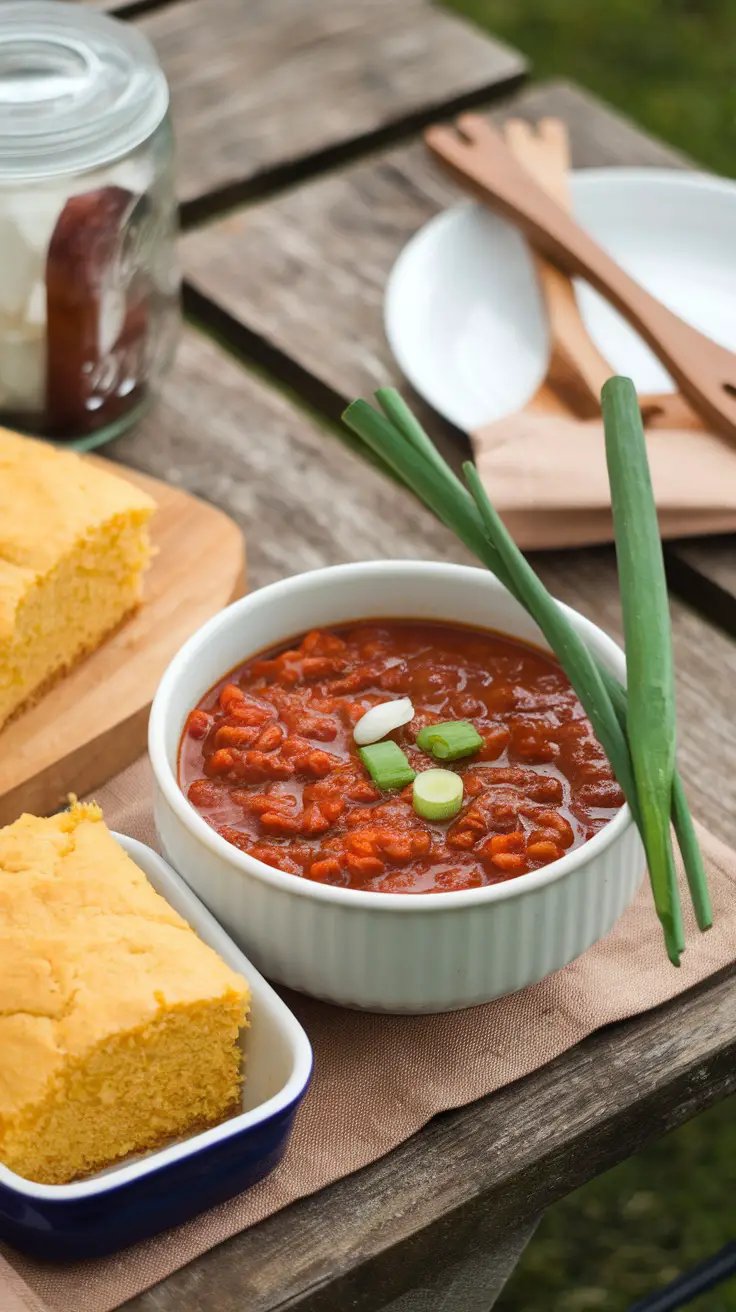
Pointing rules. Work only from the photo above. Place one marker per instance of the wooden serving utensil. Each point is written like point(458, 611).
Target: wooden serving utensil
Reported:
point(577, 370)
point(479, 159)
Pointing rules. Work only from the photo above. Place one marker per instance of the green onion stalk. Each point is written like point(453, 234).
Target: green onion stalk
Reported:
point(650, 670)
point(636, 730)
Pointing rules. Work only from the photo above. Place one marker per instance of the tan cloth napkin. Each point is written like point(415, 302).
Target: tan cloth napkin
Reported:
point(546, 476)
point(414, 1067)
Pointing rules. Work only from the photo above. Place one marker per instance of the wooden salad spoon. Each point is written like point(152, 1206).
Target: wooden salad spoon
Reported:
point(479, 159)
point(577, 369)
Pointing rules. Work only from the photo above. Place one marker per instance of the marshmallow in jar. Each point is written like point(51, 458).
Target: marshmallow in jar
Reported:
point(89, 288)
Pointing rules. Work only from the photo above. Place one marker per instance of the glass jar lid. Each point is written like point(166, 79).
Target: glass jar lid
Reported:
point(77, 89)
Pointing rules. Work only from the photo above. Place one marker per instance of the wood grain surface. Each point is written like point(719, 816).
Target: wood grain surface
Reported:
point(305, 499)
point(264, 93)
point(259, 86)
point(298, 282)
point(93, 723)
point(336, 239)
point(473, 1284)
point(453, 1188)
point(302, 498)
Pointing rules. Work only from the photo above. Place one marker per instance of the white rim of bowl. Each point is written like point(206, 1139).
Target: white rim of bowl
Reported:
point(407, 903)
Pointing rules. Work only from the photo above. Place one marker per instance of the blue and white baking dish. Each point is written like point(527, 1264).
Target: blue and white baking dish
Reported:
point(150, 1193)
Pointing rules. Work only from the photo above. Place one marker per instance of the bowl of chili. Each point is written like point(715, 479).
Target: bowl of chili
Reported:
point(328, 860)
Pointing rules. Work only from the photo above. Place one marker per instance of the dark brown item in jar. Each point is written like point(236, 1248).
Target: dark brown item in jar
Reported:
point(97, 298)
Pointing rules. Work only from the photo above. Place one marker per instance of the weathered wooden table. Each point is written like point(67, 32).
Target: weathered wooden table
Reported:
point(302, 175)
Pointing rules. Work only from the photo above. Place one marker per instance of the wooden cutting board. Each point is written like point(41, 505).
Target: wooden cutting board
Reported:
point(93, 722)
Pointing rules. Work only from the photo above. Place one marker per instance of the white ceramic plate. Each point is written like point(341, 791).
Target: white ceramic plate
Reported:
point(464, 317)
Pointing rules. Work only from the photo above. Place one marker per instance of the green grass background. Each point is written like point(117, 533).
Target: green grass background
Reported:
point(671, 66)
point(632, 1230)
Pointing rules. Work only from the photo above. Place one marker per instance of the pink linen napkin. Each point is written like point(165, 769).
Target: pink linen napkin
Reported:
point(546, 476)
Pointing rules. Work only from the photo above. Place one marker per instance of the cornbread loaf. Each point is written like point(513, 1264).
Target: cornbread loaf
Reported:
point(119, 1027)
point(73, 548)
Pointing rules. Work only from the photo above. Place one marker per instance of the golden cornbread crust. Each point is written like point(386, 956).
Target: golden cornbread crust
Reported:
point(119, 1028)
point(73, 548)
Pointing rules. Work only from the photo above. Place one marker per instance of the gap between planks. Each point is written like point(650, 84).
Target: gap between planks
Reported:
point(469, 1171)
point(285, 374)
point(128, 9)
point(265, 94)
point(701, 572)
point(704, 594)
point(271, 182)
point(458, 1185)
point(697, 590)
point(268, 456)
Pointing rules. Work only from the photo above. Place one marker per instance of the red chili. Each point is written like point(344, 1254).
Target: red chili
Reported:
point(269, 760)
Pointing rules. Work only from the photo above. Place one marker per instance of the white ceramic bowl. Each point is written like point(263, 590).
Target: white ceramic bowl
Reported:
point(383, 951)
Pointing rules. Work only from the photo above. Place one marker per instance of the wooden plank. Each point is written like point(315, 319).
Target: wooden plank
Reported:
point(260, 89)
point(302, 498)
point(305, 500)
point(321, 326)
point(703, 572)
point(124, 8)
point(305, 273)
point(452, 1189)
point(338, 239)
point(472, 1285)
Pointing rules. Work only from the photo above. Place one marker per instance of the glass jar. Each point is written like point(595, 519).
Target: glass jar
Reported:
point(89, 286)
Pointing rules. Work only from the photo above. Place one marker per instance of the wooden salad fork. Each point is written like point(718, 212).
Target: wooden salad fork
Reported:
point(577, 370)
point(477, 156)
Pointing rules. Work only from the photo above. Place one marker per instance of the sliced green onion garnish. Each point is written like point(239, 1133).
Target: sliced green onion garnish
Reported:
point(449, 741)
point(387, 765)
point(437, 794)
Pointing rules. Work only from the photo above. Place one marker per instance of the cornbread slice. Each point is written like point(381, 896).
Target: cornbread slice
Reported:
point(73, 547)
point(118, 1025)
